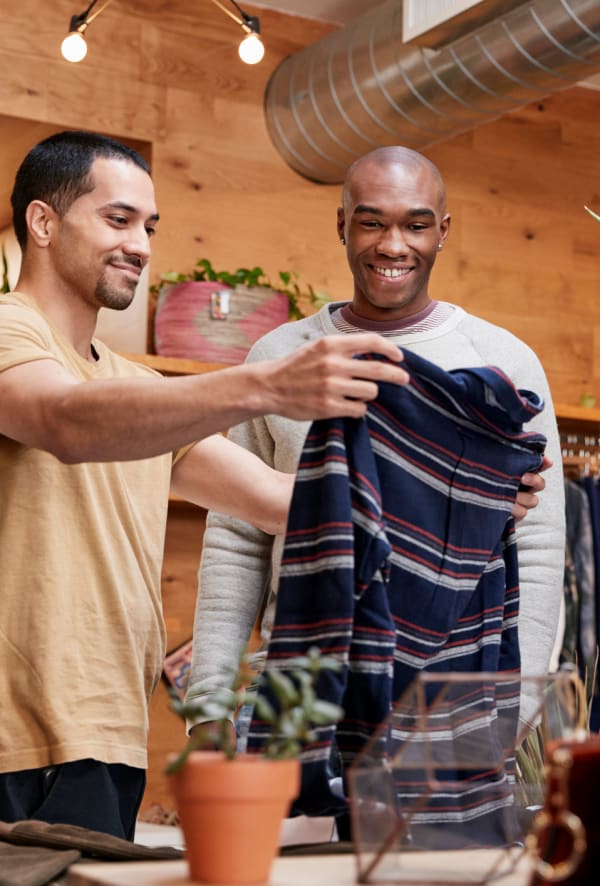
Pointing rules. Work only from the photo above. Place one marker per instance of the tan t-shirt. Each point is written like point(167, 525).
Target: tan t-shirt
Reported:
point(82, 638)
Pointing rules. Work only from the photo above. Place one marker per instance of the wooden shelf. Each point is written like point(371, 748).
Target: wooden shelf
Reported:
point(175, 365)
point(566, 414)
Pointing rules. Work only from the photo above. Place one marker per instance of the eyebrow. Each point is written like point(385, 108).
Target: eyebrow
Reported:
point(119, 204)
point(374, 210)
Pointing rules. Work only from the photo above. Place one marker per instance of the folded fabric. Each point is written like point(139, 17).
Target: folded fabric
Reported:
point(33, 865)
point(88, 842)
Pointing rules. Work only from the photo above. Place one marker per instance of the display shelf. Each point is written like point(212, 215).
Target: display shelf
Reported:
point(576, 415)
point(175, 365)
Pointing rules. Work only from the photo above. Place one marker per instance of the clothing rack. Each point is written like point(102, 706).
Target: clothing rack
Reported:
point(580, 454)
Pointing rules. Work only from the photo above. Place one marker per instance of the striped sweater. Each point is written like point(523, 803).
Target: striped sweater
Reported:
point(399, 554)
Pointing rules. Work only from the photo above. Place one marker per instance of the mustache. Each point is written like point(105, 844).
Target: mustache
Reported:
point(132, 260)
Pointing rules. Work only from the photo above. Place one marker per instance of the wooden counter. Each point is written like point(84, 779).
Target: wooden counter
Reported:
point(313, 870)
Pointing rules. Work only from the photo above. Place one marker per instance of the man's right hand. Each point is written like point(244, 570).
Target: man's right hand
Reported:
point(322, 380)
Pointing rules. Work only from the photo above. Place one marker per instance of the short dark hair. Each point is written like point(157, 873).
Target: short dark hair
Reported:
point(57, 171)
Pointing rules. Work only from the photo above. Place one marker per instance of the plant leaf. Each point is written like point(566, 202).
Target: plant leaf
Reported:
point(264, 710)
point(322, 713)
point(283, 687)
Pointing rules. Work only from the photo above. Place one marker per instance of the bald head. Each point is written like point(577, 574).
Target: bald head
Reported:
point(375, 164)
point(393, 223)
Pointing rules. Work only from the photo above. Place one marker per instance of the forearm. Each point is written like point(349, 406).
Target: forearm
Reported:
point(135, 418)
point(541, 547)
point(218, 474)
point(541, 564)
point(233, 576)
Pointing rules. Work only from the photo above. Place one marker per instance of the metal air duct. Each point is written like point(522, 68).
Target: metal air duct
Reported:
point(362, 87)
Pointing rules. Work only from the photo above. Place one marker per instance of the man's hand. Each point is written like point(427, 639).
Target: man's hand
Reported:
point(322, 380)
point(530, 486)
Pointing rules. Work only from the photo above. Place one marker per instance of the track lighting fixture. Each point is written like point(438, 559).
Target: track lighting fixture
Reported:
point(251, 49)
point(74, 47)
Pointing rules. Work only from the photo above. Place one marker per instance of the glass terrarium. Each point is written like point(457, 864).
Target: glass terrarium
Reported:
point(446, 789)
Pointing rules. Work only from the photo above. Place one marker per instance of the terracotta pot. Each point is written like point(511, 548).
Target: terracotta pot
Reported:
point(231, 813)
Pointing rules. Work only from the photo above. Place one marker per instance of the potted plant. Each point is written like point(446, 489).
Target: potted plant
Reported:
point(231, 805)
point(216, 316)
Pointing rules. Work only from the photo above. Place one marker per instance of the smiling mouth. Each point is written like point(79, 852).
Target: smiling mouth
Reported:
point(128, 269)
point(391, 273)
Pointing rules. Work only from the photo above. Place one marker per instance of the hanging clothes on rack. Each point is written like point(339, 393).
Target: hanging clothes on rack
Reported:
point(579, 642)
point(581, 639)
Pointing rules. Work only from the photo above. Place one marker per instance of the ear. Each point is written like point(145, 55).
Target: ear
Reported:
point(41, 221)
point(445, 227)
point(341, 222)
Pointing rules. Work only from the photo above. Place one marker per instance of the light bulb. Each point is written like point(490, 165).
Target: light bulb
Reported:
point(74, 47)
point(251, 49)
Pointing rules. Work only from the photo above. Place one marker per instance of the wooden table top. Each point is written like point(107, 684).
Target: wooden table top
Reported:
point(464, 867)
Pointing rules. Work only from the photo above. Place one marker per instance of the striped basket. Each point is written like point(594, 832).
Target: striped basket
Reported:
point(214, 323)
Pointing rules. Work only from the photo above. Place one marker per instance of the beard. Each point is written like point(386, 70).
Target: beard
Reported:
point(115, 296)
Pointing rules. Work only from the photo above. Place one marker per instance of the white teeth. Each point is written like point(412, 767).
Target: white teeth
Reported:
point(392, 272)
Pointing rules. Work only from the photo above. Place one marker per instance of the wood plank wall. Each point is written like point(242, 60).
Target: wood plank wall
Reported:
point(523, 253)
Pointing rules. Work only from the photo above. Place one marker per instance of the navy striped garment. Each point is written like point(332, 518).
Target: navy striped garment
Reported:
point(400, 552)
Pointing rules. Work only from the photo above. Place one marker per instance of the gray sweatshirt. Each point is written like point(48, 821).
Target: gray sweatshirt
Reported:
point(240, 564)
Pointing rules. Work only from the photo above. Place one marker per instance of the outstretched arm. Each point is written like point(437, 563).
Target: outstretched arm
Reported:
point(42, 405)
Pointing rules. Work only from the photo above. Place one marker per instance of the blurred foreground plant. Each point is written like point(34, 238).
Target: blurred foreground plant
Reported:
point(292, 717)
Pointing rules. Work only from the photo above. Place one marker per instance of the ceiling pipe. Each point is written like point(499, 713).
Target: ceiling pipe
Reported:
point(362, 87)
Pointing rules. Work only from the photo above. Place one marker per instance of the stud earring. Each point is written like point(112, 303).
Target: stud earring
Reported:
point(440, 245)
point(343, 241)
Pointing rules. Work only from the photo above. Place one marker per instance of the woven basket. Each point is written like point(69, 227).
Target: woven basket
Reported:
point(213, 322)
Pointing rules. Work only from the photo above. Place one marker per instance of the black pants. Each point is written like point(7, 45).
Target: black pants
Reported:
point(100, 796)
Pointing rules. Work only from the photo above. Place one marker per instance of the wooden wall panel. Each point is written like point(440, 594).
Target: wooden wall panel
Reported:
point(522, 252)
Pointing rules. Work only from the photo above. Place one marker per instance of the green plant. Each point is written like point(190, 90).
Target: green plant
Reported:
point(291, 719)
point(286, 282)
point(530, 759)
point(5, 287)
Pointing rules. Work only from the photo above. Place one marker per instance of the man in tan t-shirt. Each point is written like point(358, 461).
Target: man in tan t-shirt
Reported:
point(90, 445)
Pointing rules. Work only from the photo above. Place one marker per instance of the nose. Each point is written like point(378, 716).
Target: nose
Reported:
point(138, 244)
point(392, 242)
